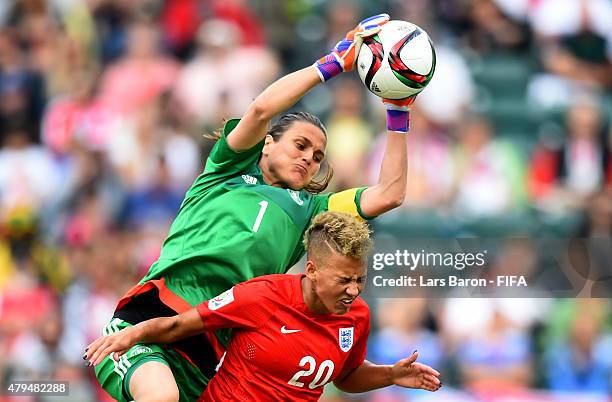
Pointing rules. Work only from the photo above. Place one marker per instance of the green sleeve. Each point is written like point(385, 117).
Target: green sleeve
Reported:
point(358, 204)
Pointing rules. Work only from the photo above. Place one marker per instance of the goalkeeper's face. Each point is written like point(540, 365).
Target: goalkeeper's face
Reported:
point(294, 158)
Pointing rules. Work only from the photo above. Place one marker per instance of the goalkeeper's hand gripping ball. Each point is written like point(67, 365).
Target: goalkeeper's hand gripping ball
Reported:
point(343, 56)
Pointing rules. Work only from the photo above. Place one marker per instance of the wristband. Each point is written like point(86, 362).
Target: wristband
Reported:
point(328, 67)
point(398, 120)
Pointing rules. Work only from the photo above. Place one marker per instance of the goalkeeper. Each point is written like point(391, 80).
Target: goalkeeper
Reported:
point(244, 217)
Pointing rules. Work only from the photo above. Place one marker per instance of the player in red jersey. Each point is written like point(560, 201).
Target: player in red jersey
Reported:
point(293, 333)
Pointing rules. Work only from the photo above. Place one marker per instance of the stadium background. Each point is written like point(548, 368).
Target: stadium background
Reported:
point(103, 104)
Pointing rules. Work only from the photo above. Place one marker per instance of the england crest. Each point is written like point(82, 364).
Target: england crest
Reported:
point(345, 338)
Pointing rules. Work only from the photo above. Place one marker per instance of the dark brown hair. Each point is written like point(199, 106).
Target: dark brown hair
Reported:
point(277, 130)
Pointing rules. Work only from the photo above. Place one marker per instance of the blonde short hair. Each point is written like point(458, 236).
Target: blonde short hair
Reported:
point(340, 232)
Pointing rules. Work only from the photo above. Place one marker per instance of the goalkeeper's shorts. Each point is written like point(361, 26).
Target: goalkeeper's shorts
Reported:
point(114, 376)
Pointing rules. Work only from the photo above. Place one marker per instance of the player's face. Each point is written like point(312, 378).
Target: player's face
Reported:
point(295, 158)
point(337, 282)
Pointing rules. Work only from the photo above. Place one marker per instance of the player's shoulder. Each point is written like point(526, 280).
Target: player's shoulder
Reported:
point(275, 286)
point(273, 279)
point(360, 316)
point(360, 309)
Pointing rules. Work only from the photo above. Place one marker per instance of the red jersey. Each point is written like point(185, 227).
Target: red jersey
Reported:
point(280, 350)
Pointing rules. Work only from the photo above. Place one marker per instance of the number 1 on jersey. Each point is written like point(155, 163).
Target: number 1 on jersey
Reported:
point(262, 210)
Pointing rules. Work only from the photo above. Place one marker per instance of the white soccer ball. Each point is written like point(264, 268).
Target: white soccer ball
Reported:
point(398, 62)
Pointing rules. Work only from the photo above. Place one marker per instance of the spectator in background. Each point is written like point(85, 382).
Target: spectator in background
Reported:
point(7, 268)
point(493, 31)
point(155, 205)
point(72, 59)
point(490, 339)
point(576, 50)
point(112, 20)
point(491, 343)
point(350, 134)
point(566, 177)
point(88, 300)
point(88, 219)
point(581, 361)
point(22, 93)
point(39, 33)
point(217, 83)
point(79, 116)
point(33, 353)
point(85, 175)
point(179, 22)
point(587, 264)
point(239, 13)
point(90, 297)
point(28, 174)
point(576, 38)
point(489, 172)
point(599, 222)
point(141, 74)
point(497, 360)
point(552, 20)
point(401, 331)
point(180, 148)
point(341, 16)
point(134, 148)
point(26, 305)
point(462, 319)
point(154, 133)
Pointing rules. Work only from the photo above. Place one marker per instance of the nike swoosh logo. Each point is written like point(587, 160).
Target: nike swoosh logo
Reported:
point(288, 331)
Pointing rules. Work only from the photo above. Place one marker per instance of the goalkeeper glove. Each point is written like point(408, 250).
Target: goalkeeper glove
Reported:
point(344, 54)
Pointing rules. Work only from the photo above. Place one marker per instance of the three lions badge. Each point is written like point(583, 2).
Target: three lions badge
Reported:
point(345, 338)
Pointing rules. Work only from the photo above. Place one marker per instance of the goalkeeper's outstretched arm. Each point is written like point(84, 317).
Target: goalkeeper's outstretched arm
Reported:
point(285, 92)
point(390, 190)
point(278, 97)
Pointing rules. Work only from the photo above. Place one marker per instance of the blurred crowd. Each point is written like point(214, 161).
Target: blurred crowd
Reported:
point(103, 107)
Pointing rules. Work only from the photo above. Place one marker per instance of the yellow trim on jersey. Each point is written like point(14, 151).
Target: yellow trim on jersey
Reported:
point(344, 201)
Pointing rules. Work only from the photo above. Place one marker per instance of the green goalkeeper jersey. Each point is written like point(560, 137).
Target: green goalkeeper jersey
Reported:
point(232, 227)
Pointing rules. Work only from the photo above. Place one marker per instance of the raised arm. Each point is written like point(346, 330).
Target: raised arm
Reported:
point(278, 97)
point(156, 330)
point(405, 373)
point(390, 190)
point(286, 91)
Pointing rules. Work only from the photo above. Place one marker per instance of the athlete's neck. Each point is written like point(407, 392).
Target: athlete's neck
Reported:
point(311, 299)
point(269, 177)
